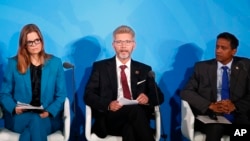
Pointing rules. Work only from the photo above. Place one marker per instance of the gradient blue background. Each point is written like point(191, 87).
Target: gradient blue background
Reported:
point(171, 35)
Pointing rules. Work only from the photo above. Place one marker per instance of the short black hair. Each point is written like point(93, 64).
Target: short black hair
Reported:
point(230, 37)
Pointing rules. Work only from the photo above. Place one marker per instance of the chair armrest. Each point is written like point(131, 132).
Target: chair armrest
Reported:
point(158, 123)
point(187, 121)
point(88, 123)
point(66, 118)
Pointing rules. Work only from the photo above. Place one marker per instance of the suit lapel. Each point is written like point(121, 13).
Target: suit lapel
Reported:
point(212, 74)
point(111, 67)
point(133, 77)
point(235, 69)
point(45, 77)
point(27, 81)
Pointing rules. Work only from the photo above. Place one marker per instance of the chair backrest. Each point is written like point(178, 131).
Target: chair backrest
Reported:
point(187, 124)
point(88, 122)
point(187, 120)
point(93, 137)
point(66, 118)
point(157, 123)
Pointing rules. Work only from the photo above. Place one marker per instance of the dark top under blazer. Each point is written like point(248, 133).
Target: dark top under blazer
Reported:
point(201, 89)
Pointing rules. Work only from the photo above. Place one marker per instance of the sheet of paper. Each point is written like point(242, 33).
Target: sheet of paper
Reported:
point(28, 106)
point(207, 119)
point(125, 101)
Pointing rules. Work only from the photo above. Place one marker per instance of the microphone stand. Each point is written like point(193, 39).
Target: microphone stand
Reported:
point(152, 75)
point(74, 92)
point(164, 136)
point(74, 100)
point(68, 66)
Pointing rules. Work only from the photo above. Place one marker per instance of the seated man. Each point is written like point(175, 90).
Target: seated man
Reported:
point(117, 78)
point(220, 86)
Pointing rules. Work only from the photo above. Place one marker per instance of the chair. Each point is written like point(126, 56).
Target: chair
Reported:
point(93, 137)
point(7, 135)
point(187, 125)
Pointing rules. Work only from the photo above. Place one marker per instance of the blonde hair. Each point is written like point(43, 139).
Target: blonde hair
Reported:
point(23, 56)
point(124, 29)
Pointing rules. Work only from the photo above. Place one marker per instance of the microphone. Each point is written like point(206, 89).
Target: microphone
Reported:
point(151, 74)
point(212, 115)
point(67, 65)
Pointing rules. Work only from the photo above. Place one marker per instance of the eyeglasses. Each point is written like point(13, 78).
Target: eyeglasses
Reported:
point(34, 42)
point(126, 42)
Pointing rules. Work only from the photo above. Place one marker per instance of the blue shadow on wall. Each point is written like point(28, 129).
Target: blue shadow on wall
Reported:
point(1, 69)
point(173, 81)
point(2, 63)
point(85, 52)
point(1, 76)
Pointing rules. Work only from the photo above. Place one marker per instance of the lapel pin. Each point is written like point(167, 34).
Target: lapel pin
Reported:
point(137, 72)
point(237, 67)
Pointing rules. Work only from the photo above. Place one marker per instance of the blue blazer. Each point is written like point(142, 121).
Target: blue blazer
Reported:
point(17, 86)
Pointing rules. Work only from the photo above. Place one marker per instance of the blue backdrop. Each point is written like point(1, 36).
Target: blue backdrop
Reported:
point(171, 35)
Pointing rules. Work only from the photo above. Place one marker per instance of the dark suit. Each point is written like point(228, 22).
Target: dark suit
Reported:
point(201, 89)
point(102, 89)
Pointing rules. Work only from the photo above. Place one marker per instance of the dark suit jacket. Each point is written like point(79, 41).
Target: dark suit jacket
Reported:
point(201, 89)
point(101, 88)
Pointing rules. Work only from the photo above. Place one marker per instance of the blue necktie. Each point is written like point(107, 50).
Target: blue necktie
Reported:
point(225, 84)
point(225, 90)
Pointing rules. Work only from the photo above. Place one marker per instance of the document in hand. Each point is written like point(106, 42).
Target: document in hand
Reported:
point(28, 106)
point(125, 101)
point(207, 119)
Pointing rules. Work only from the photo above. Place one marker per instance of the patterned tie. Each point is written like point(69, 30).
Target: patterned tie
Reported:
point(225, 90)
point(125, 88)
